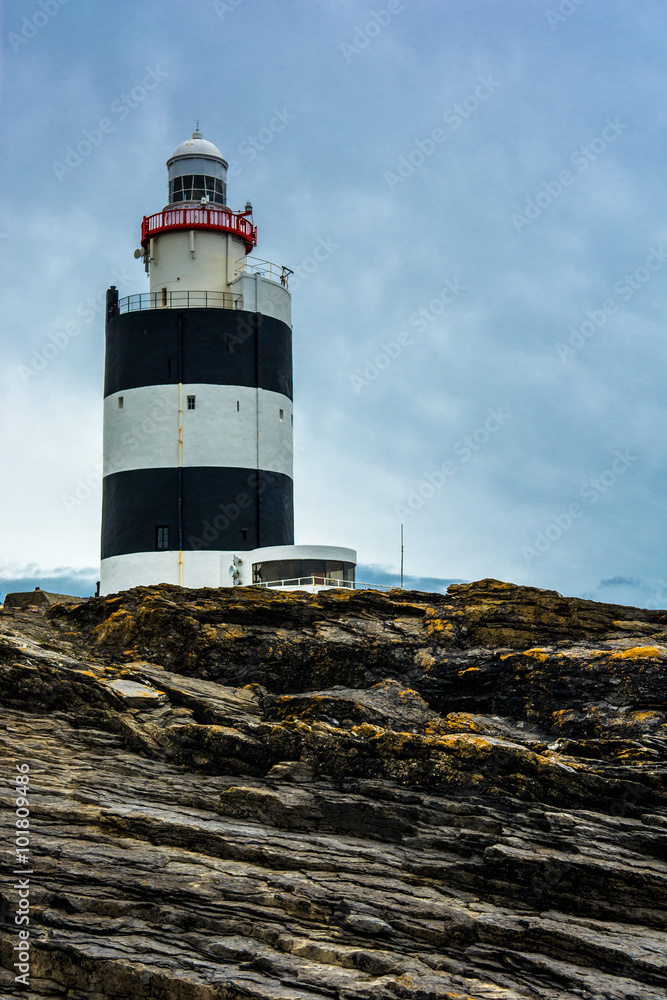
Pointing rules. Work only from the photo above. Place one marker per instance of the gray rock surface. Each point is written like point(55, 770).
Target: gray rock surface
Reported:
point(414, 796)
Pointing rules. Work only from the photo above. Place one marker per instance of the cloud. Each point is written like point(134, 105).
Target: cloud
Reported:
point(386, 577)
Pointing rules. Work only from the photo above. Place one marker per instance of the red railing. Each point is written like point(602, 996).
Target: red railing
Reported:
point(199, 218)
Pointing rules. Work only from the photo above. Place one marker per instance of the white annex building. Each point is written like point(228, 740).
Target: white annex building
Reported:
point(198, 404)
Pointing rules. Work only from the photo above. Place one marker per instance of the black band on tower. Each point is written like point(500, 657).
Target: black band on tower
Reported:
point(220, 347)
point(223, 508)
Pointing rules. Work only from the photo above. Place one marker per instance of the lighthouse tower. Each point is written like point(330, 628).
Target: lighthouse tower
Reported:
point(198, 418)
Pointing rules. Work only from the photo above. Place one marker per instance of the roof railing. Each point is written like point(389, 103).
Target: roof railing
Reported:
point(199, 217)
point(323, 581)
point(180, 300)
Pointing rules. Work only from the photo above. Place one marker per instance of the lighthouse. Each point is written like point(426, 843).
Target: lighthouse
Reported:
point(198, 418)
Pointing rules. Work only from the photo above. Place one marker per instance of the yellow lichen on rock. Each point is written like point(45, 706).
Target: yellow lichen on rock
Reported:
point(465, 743)
point(469, 671)
point(117, 625)
point(640, 653)
point(537, 654)
point(424, 659)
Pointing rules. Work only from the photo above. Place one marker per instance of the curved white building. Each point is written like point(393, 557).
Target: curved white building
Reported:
point(198, 404)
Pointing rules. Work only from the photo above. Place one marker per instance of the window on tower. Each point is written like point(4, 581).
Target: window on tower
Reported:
point(194, 187)
point(191, 402)
point(161, 537)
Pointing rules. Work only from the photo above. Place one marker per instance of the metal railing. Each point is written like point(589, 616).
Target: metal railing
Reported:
point(180, 300)
point(324, 581)
point(255, 265)
point(203, 217)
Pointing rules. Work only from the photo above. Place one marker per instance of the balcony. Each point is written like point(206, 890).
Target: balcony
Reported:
point(320, 581)
point(272, 272)
point(180, 300)
point(216, 219)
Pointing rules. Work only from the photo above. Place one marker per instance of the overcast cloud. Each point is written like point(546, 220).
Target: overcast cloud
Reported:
point(480, 351)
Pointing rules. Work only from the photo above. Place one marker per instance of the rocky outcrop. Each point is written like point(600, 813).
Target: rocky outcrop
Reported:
point(245, 793)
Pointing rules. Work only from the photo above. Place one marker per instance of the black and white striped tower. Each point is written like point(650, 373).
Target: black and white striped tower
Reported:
point(197, 395)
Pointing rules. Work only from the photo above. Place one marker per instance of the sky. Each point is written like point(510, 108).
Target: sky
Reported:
point(479, 346)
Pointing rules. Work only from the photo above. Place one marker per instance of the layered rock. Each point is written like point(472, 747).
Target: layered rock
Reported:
point(246, 793)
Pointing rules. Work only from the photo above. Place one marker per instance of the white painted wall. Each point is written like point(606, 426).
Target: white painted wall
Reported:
point(275, 447)
point(265, 296)
point(144, 433)
point(200, 569)
point(137, 569)
point(214, 268)
point(217, 256)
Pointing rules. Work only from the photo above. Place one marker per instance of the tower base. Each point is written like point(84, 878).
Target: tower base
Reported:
point(311, 567)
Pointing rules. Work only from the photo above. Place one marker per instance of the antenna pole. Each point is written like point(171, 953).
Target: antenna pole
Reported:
point(401, 557)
